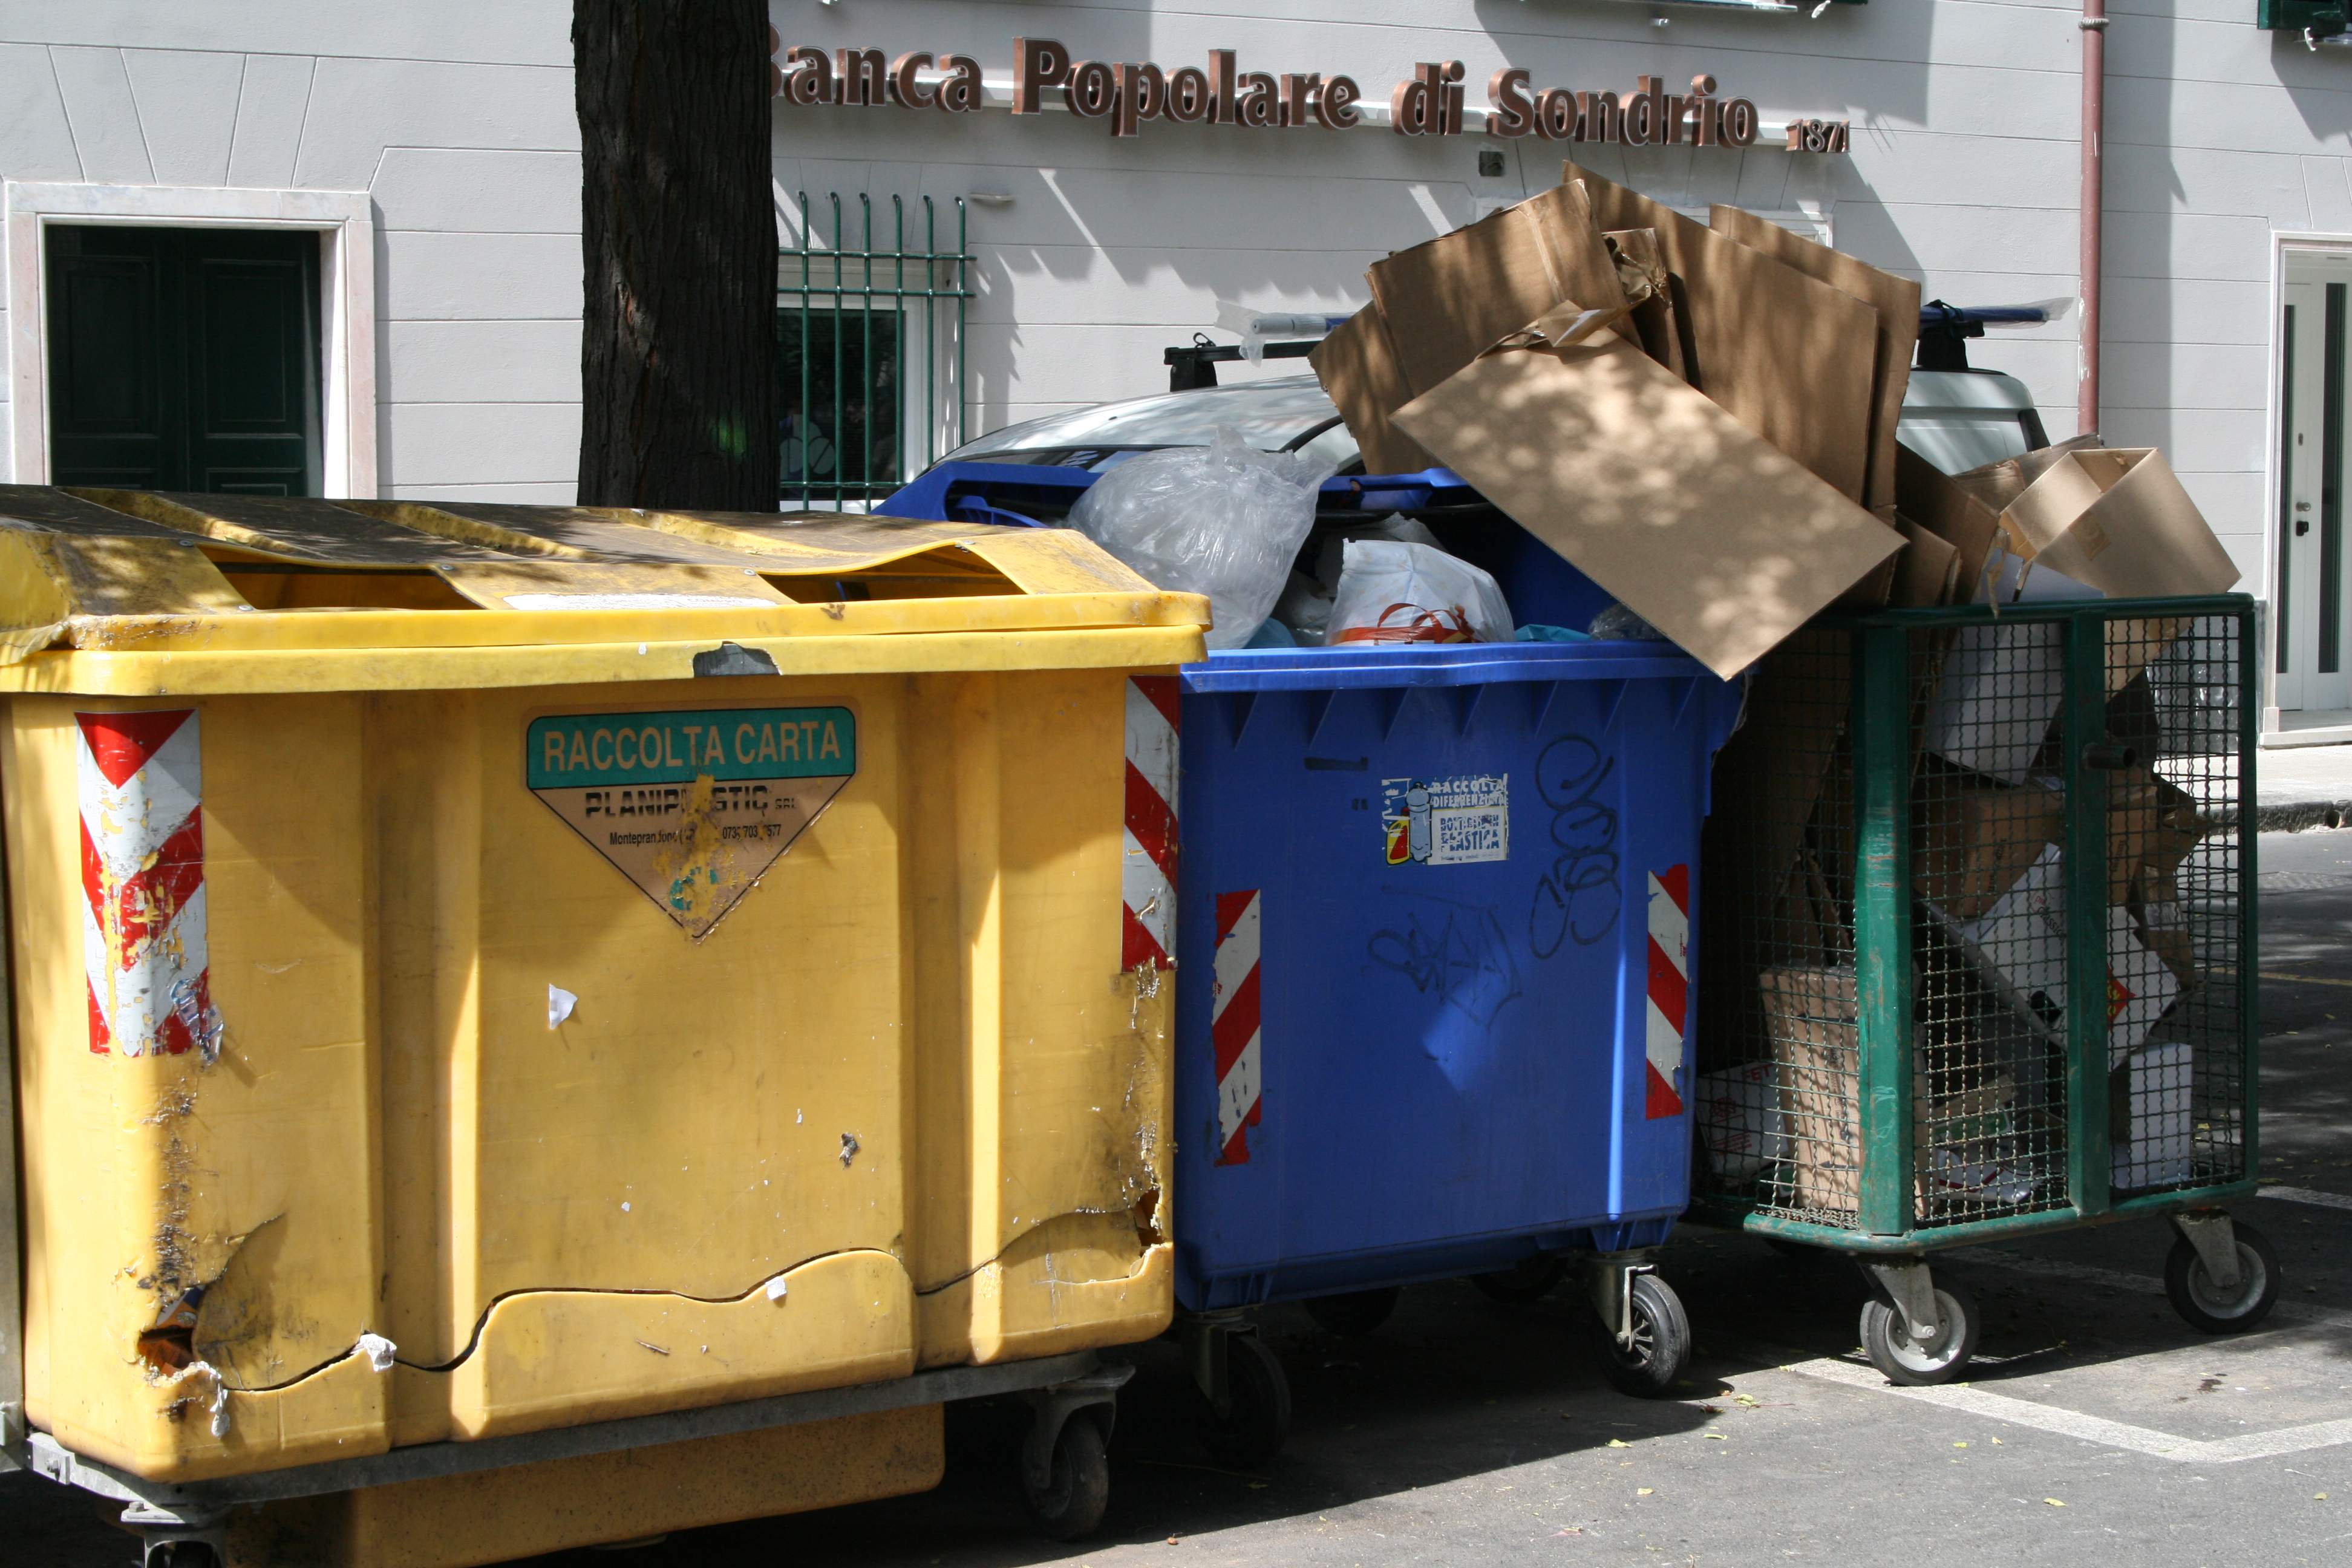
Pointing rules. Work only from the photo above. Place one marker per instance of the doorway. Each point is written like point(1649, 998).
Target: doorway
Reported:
point(183, 358)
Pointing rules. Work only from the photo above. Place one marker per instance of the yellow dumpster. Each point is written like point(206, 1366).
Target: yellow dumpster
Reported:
point(485, 970)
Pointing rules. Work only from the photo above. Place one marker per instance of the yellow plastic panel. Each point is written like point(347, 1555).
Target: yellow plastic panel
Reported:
point(903, 1071)
point(559, 1360)
point(250, 1180)
point(323, 662)
point(498, 1516)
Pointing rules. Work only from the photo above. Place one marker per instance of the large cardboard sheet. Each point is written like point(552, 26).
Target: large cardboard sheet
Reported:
point(1698, 523)
point(1931, 499)
point(1450, 300)
point(1358, 366)
point(2118, 518)
point(1897, 301)
point(1789, 357)
point(1442, 303)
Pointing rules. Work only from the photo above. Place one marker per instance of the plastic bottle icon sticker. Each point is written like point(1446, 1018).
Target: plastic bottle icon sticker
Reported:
point(1447, 821)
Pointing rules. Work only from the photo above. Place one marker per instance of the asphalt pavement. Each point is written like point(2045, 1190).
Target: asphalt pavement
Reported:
point(2095, 1427)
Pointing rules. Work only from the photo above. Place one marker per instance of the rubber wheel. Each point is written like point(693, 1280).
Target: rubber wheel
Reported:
point(2205, 1305)
point(183, 1554)
point(1356, 1313)
point(1893, 1350)
point(1072, 1503)
point(1259, 1422)
point(1661, 1342)
point(1523, 1284)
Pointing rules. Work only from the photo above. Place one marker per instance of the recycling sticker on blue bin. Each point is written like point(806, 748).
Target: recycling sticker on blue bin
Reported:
point(695, 807)
point(1456, 820)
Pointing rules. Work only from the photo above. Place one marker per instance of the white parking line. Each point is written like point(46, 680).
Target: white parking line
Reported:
point(2088, 1428)
point(2116, 1279)
point(2306, 1195)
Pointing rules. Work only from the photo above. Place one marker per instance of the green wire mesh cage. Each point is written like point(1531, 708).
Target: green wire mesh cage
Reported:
point(1975, 952)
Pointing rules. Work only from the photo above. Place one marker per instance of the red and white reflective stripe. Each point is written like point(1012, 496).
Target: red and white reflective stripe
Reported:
point(144, 954)
point(1233, 1024)
point(1669, 988)
point(1147, 872)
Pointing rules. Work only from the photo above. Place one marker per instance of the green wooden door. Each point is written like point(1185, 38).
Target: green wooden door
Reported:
point(183, 358)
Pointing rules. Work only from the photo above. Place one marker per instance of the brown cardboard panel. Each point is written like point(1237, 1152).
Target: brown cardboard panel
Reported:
point(2152, 827)
point(1926, 572)
point(1975, 839)
point(1641, 267)
point(1767, 781)
point(2118, 518)
point(1996, 485)
point(1358, 366)
point(1451, 299)
point(1897, 301)
point(1938, 503)
point(1789, 357)
point(1698, 524)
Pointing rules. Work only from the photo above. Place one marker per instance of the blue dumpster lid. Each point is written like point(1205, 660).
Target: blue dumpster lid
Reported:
point(1022, 495)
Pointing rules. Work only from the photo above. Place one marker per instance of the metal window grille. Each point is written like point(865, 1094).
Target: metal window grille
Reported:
point(1975, 927)
point(870, 351)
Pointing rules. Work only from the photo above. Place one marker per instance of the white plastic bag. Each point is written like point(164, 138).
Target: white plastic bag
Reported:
point(1397, 592)
point(1221, 519)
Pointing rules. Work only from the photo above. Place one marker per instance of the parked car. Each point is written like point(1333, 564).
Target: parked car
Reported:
point(1957, 416)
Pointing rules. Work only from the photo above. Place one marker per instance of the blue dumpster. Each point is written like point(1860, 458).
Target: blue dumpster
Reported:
point(1434, 918)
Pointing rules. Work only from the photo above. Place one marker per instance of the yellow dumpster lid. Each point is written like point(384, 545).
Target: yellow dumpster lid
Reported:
point(141, 593)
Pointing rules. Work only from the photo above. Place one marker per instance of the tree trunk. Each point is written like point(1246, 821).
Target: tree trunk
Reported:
point(677, 233)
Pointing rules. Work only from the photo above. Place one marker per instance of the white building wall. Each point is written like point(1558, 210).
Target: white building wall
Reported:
point(457, 120)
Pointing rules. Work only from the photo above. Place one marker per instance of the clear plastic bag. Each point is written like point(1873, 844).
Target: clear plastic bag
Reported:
point(1221, 520)
point(1618, 623)
point(1397, 592)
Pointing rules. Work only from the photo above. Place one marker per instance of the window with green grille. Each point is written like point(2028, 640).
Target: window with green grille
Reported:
point(2321, 18)
point(869, 340)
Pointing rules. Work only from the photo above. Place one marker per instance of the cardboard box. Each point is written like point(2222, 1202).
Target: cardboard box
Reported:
point(1700, 526)
point(2152, 827)
point(1440, 304)
point(2160, 1147)
point(1642, 270)
point(2118, 518)
point(1813, 1018)
point(1966, 1144)
point(1358, 366)
point(2019, 947)
point(1995, 485)
point(1971, 841)
point(2164, 927)
point(1739, 1121)
point(1789, 357)
point(1931, 499)
point(1896, 302)
point(1929, 571)
point(1998, 689)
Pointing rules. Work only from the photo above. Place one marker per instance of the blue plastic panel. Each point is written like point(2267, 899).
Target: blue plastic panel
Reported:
point(1452, 1056)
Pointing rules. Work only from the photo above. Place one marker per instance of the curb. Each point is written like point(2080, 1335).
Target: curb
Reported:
point(2300, 816)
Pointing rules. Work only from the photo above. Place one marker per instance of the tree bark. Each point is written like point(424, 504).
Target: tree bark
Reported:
point(677, 234)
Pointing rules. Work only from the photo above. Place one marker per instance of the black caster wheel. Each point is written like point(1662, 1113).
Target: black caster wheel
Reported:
point(2207, 1305)
point(1650, 1366)
point(1914, 1363)
point(180, 1554)
point(1071, 1503)
point(1353, 1315)
point(1523, 1284)
point(1259, 1422)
